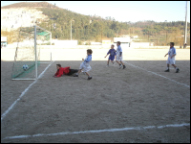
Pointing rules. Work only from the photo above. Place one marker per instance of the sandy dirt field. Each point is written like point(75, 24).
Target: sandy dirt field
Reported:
point(139, 96)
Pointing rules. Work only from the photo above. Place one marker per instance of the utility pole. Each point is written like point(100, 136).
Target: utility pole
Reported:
point(71, 30)
point(166, 30)
point(185, 31)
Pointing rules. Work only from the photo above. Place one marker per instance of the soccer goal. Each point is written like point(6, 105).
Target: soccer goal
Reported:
point(27, 54)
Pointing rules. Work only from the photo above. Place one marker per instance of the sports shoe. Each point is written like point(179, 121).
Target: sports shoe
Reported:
point(89, 78)
point(167, 70)
point(124, 66)
point(75, 75)
point(120, 66)
point(177, 70)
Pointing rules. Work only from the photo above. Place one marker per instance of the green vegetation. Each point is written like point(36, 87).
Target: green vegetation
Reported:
point(12, 36)
point(96, 28)
point(83, 27)
point(87, 28)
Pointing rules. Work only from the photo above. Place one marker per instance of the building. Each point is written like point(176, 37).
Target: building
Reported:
point(95, 43)
point(125, 41)
point(4, 41)
point(64, 43)
point(141, 44)
point(106, 42)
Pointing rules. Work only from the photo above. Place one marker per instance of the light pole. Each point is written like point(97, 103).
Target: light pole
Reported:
point(166, 31)
point(185, 31)
point(71, 30)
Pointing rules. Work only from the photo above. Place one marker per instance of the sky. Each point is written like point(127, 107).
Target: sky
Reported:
point(125, 11)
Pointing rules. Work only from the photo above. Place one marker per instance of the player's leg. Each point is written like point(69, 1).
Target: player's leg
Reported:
point(77, 74)
point(109, 59)
point(121, 61)
point(175, 67)
point(167, 70)
point(89, 77)
point(108, 62)
point(123, 65)
point(168, 65)
point(112, 59)
point(80, 69)
point(72, 71)
point(118, 60)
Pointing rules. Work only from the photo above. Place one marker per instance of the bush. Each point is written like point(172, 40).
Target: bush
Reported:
point(79, 42)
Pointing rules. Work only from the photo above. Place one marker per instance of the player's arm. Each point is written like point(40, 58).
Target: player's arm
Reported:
point(107, 53)
point(59, 73)
point(166, 54)
point(55, 73)
point(120, 54)
point(115, 54)
point(88, 59)
point(174, 54)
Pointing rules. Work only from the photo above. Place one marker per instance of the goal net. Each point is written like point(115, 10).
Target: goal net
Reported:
point(27, 55)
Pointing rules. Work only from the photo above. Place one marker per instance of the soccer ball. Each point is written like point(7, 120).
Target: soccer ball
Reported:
point(25, 67)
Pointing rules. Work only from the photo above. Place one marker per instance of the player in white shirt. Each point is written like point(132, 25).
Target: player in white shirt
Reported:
point(85, 65)
point(119, 57)
point(171, 58)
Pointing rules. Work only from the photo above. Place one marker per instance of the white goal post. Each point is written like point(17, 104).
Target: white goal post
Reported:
point(27, 54)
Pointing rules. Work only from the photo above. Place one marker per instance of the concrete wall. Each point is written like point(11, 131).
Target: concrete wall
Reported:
point(65, 43)
point(7, 54)
point(140, 44)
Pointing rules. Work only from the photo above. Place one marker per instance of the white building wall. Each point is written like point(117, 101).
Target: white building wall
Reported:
point(65, 43)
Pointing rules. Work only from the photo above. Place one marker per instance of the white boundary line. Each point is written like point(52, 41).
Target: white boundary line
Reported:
point(188, 86)
point(23, 93)
point(99, 131)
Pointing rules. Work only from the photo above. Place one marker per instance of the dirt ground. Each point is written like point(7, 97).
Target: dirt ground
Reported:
point(114, 98)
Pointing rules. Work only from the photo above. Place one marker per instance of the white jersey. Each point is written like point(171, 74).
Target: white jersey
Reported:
point(118, 57)
point(171, 52)
point(86, 64)
point(119, 50)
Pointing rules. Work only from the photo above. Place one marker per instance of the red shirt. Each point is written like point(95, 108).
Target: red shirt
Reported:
point(62, 71)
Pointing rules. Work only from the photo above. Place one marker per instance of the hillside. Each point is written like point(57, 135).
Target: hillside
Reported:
point(92, 28)
point(30, 5)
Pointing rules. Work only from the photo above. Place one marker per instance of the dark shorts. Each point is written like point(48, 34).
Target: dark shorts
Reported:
point(111, 58)
point(72, 71)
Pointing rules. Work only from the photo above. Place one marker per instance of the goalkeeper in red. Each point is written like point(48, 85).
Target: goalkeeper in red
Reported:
point(64, 71)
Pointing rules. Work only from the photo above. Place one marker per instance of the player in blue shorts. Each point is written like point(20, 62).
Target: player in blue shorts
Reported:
point(111, 53)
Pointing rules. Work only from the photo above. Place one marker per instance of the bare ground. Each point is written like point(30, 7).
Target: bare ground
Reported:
point(114, 98)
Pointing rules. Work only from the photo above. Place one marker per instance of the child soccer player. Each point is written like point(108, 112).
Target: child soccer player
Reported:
point(119, 56)
point(85, 65)
point(171, 58)
point(64, 71)
point(112, 53)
